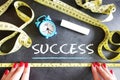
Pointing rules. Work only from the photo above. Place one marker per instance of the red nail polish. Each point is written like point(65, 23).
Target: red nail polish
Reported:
point(94, 65)
point(15, 65)
point(26, 64)
point(111, 71)
point(104, 65)
point(6, 71)
point(21, 64)
point(97, 64)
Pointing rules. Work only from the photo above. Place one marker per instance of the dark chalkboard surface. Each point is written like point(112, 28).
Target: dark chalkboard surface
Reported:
point(64, 36)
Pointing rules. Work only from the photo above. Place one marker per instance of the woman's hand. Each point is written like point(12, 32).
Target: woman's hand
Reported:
point(18, 71)
point(101, 72)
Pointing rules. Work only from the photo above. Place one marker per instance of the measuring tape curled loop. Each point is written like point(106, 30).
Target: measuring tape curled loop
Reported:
point(106, 45)
point(75, 13)
point(111, 35)
point(97, 7)
point(23, 39)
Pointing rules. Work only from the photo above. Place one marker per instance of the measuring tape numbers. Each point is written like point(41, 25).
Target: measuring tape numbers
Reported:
point(116, 65)
point(96, 6)
point(75, 13)
point(23, 39)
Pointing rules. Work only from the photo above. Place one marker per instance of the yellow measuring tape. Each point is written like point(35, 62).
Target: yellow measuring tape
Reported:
point(116, 65)
point(23, 39)
point(96, 6)
point(5, 6)
point(73, 12)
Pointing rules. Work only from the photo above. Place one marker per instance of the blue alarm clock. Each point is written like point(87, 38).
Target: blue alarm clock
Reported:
point(46, 26)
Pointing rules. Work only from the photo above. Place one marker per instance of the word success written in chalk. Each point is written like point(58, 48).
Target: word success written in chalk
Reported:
point(64, 49)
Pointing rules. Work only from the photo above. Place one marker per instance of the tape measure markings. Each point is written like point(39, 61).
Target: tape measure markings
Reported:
point(73, 12)
point(64, 65)
point(23, 38)
point(96, 6)
point(5, 6)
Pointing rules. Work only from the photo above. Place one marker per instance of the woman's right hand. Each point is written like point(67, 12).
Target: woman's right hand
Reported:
point(101, 72)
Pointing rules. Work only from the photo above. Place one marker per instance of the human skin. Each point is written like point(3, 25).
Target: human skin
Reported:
point(101, 72)
point(18, 71)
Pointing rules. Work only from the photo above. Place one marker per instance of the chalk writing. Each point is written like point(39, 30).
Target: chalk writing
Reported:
point(72, 48)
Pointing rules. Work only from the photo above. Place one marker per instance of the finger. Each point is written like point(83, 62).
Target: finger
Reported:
point(26, 72)
point(12, 71)
point(104, 66)
point(5, 74)
point(103, 73)
point(94, 72)
point(18, 73)
point(111, 71)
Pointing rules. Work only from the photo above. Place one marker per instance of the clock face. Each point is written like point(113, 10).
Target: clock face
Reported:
point(47, 28)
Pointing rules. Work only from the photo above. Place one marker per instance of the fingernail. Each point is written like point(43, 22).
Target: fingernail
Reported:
point(111, 71)
point(6, 71)
point(97, 64)
point(94, 65)
point(21, 64)
point(15, 65)
point(104, 65)
point(26, 64)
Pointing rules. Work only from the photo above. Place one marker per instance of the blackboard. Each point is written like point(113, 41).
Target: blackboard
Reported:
point(64, 36)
